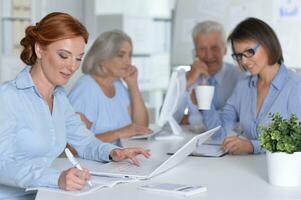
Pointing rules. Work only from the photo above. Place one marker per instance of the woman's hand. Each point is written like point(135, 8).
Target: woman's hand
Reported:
point(129, 153)
point(131, 77)
point(73, 179)
point(133, 129)
point(236, 145)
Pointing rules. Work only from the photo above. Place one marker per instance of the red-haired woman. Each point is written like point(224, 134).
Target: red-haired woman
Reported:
point(36, 118)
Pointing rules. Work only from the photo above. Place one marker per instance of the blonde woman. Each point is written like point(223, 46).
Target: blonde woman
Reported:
point(109, 108)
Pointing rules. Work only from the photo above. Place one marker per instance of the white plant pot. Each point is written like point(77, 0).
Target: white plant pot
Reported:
point(284, 169)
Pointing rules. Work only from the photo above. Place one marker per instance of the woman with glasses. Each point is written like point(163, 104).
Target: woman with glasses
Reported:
point(269, 88)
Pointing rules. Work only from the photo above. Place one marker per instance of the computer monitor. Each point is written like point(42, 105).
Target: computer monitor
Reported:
point(174, 97)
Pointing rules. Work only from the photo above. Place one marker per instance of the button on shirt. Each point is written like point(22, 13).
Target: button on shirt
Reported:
point(31, 137)
point(284, 97)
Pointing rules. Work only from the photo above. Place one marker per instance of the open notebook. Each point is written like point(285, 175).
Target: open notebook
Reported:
point(150, 167)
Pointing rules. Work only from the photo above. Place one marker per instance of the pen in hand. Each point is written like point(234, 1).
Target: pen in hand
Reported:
point(75, 162)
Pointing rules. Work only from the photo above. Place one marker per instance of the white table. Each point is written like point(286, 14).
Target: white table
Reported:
point(228, 177)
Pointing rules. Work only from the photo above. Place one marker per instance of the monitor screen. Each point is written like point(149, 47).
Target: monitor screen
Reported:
point(174, 97)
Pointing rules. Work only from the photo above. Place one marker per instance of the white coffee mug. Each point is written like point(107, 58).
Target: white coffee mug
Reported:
point(204, 95)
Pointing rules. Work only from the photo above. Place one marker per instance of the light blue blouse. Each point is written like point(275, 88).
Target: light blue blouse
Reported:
point(105, 113)
point(31, 137)
point(225, 81)
point(284, 97)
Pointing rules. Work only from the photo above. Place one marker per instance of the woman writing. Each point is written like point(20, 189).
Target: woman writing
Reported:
point(37, 119)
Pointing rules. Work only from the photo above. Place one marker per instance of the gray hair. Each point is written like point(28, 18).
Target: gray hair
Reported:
point(208, 27)
point(105, 47)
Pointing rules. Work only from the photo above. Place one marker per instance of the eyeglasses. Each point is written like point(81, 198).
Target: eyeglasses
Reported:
point(247, 53)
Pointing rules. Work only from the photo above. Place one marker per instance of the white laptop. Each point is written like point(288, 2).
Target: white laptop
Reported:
point(150, 167)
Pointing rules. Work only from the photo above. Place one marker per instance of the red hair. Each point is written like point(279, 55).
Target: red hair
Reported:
point(53, 27)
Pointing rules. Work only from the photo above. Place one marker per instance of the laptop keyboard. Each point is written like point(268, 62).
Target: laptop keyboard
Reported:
point(127, 167)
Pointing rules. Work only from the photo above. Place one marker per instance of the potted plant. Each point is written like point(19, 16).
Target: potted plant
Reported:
point(282, 141)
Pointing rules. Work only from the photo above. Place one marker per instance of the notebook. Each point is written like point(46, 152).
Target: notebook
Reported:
point(150, 167)
point(86, 190)
point(98, 182)
point(209, 150)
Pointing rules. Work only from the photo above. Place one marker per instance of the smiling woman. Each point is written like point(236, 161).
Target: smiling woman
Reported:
point(37, 119)
point(270, 88)
point(60, 60)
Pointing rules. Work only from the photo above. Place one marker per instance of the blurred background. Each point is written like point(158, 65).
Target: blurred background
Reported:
point(160, 29)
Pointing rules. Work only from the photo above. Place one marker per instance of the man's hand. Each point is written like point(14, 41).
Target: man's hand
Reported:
point(198, 68)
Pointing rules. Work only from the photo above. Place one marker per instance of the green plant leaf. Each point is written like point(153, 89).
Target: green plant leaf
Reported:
point(281, 135)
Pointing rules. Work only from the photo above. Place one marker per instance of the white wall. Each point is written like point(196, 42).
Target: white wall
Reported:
point(153, 8)
point(73, 7)
point(142, 8)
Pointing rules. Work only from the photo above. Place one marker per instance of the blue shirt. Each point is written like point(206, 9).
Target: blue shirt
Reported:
point(225, 81)
point(31, 137)
point(284, 97)
point(105, 113)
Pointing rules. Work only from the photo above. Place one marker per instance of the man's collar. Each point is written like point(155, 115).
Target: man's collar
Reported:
point(220, 74)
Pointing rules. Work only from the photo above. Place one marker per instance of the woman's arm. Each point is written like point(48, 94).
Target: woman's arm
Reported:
point(88, 147)
point(111, 136)
point(227, 117)
point(137, 109)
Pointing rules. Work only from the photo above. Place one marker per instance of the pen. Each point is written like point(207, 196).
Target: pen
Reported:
point(75, 162)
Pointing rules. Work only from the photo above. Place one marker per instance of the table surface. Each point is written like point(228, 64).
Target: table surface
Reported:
point(228, 177)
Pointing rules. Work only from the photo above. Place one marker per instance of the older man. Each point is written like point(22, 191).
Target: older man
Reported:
point(210, 47)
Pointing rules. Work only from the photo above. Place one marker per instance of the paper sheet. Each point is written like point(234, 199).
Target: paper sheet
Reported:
point(109, 181)
point(98, 182)
point(86, 190)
